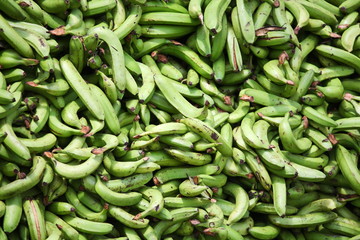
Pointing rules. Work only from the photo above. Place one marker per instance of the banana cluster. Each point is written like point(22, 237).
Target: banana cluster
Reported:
point(179, 119)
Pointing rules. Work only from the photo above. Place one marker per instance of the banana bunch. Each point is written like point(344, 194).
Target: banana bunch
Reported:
point(196, 119)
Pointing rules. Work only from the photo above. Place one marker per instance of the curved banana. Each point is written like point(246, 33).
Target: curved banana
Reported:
point(273, 38)
point(246, 21)
point(195, 9)
point(203, 41)
point(275, 73)
point(348, 20)
point(130, 22)
point(249, 135)
point(189, 56)
point(87, 226)
point(281, 19)
point(82, 89)
point(13, 212)
point(348, 167)
point(339, 55)
point(78, 171)
point(344, 225)
point(168, 18)
point(264, 232)
point(326, 204)
point(319, 12)
point(177, 100)
point(21, 185)
point(300, 13)
point(262, 14)
point(349, 6)
point(208, 133)
point(296, 221)
point(334, 72)
point(126, 218)
point(318, 117)
point(117, 55)
point(97, 7)
point(36, 41)
point(288, 140)
point(165, 31)
point(266, 99)
point(14, 39)
point(213, 15)
point(111, 119)
point(155, 6)
point(349, 36)
point(241, 202)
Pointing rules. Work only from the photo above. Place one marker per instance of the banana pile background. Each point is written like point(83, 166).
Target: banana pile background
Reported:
point(178, 119)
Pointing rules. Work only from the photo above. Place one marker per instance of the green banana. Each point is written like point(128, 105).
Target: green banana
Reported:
point(264, 232)
point(14, 39)
point(155, 6)
point(233, 50)
point(300, 13)
point(190, 57)
point(246, 21)
point(168, 18)
point(296, 221)
point(35, 219)
point(348, 6)
point(213, 15)
point(87, 226)
point(319, 12)
point(339, 55)
point(195, 10)
point(348, 37)
point(318, 117)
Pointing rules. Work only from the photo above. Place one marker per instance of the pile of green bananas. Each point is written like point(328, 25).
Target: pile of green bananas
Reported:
point(179, 119)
